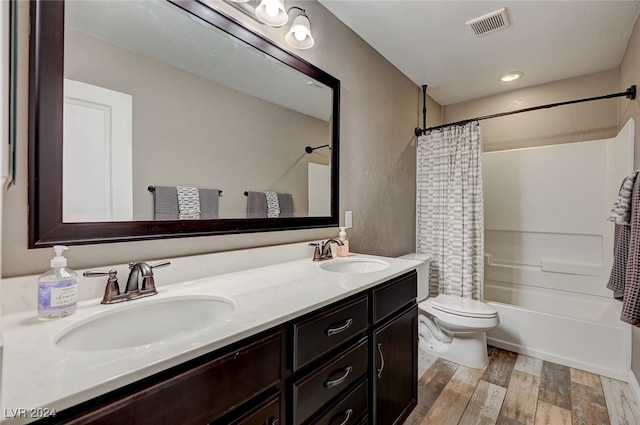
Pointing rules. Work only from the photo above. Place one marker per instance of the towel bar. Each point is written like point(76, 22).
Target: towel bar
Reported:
point(152, 189)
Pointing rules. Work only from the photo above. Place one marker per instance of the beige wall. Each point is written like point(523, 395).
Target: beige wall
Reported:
point(629, 74)
point(379, 110)
point(563, 124)
point(188, 131)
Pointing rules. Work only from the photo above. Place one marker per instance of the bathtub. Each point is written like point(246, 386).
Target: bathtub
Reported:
point(576, 330)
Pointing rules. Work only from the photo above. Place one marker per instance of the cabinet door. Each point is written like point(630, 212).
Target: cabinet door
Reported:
point(395, 371)
point(198, 395)
point(267, 413)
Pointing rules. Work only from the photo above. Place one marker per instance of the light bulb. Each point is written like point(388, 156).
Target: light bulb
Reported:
point(300, 34)
point(271, 9)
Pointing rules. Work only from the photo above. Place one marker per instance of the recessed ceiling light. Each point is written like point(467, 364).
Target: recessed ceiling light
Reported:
point(510, 76)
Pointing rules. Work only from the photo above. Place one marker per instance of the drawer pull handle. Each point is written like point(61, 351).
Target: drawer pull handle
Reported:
point(273, 421)
point(382, 360)
point(348, 414)
point(340, 329)
point(340, 380)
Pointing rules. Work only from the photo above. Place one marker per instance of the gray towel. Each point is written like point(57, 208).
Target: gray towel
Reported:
point(631, 298)
point(286, 204)
point(256, 205)
point(620, 255)
point(621, 211)
point(165, 203)
point(209, 203)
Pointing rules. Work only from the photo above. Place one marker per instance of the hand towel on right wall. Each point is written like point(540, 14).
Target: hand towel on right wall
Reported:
point(625, 274)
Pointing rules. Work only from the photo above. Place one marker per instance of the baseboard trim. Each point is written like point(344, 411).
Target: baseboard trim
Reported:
point(635, 387)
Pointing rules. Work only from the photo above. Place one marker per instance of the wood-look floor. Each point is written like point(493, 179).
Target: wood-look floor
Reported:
point(515, 389)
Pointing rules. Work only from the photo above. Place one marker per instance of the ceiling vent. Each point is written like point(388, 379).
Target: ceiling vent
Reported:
point(490, 22)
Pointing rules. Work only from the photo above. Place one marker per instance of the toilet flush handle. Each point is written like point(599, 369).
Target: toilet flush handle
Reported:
point(381, 359)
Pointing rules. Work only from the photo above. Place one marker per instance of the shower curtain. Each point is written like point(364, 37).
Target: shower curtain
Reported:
point(450, 216)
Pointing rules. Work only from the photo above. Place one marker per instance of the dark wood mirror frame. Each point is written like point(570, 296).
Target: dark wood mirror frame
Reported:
point(46, 74)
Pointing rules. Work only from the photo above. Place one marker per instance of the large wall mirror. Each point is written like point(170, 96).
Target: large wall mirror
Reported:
point(155, 118)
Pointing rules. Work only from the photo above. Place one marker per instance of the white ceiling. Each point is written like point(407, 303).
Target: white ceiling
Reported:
point(429, 42)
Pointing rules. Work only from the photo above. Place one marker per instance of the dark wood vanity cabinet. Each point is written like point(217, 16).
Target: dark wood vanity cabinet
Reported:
point(395, 372)
point(266, 413)
point(197, 392)
point(394, 375)
point(351, 363)
point(379, 354)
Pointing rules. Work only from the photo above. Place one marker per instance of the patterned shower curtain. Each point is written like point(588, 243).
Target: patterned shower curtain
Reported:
point(450, 216)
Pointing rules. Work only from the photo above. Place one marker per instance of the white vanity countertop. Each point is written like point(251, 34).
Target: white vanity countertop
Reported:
point(38, 374)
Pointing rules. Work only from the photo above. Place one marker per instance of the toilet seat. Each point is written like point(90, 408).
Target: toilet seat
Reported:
point(463, 307)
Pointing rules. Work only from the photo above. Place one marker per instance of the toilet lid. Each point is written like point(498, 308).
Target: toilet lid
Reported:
point(463, 306)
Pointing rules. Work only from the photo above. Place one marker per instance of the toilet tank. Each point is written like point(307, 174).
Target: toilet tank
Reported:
point(423, 273)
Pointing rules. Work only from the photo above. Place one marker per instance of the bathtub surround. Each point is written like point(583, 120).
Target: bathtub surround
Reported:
point(549, 251)
point(576, 330)
point(450, 222)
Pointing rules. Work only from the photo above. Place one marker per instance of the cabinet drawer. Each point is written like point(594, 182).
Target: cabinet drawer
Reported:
point(267, 413)
point(313, 391)
point(349, 410)
point(317, 335)
point(394, 295)
point(198, 395)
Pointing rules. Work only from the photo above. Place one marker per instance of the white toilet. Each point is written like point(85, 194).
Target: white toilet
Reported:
point(451, 327)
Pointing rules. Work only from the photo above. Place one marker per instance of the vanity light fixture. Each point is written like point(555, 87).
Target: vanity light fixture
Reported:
point(275, 14)
point(510, 76)
point(299, 35)
point(272, 12)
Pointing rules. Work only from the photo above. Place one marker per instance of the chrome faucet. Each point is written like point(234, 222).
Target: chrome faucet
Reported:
point(323, 249)
point(134, 289)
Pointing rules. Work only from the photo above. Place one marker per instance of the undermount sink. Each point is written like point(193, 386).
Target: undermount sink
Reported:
point(354, 265)
point(132, 325)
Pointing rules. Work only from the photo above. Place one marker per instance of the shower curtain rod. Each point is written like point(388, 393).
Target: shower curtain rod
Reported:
point(630, 93)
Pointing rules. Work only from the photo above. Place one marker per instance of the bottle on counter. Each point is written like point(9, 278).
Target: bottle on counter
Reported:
point(343, 250)
point(57, 288)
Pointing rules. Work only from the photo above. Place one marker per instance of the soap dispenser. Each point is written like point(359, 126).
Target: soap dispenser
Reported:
point(343, 250)
point(57, 288)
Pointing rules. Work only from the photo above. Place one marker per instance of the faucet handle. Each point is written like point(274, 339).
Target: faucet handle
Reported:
point(112, 290)
point(162, 264)
point(316, 252)
point(148, 283)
